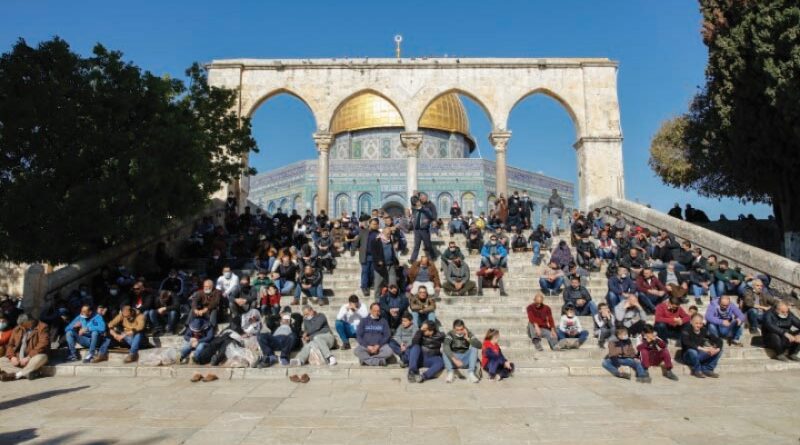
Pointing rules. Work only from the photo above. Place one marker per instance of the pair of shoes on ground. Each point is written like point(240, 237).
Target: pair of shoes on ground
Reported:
point(704, 374)
point(299, 379)
point(785, 357)
point(451, 375)
point(210, 377)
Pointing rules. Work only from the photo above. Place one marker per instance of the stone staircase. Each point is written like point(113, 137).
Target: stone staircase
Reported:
point(479, 313)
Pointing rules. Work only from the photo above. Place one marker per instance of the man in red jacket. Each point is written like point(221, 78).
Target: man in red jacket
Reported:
point(650, 289)
point(653, 351)
point(670, 319)
point(540, 323)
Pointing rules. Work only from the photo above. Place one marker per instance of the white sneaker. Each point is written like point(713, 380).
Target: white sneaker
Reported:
point(295, 362)
point(332, 361)
point(473, 378)
point(450, 377)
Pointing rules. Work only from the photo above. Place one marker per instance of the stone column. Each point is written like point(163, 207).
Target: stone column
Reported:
point(499, 140)
point(323, 141)
point(411, 141)
point(600, 171)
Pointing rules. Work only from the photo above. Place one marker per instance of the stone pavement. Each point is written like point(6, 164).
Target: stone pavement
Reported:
point(736, 409)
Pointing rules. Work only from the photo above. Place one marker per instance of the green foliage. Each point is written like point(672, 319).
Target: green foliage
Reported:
point(668, 155)
point(94, 152)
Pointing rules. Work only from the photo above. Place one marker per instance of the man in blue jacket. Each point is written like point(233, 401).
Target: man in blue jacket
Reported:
point(87, 329)
point(196, 338)
point(620, 287)
point(373, 336)
point(494, 254)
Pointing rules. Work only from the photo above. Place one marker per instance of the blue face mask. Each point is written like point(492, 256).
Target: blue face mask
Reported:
point(3, 326)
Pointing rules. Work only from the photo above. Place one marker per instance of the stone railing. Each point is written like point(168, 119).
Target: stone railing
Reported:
point(785, 273)
point(38, 283)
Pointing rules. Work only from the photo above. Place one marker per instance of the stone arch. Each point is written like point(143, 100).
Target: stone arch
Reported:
point(297, 203)
point(339, 103)
point(277, 92)
point(271, 208)
point(342, 203)
point(284, 206)
point(558, 98)
point(468, 202)
point(365, 203)
point(443, 202)
point(458, 91)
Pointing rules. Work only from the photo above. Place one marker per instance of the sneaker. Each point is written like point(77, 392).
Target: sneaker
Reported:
point(698, 374)
point(295, 362)
point(88, 358)
point(623, 375)
point(345, 345)
point(503, 293)
point(184, 360)
point(736, 343)
point(711, 374)
point(74, 358)
point(537, 343)
point(7, 376)
point(403, 364)
point(459, 374)
point(473, 378)
point(753, 331)
point(669, 374)
point(412, 378)
point(601, 345)
point(331, 361)
point(480, 293)
point(794, 358)
point(100, 358)
point(450, 377)
point(315, 301)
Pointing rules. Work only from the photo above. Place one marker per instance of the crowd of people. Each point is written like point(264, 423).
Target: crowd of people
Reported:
point(649, 274)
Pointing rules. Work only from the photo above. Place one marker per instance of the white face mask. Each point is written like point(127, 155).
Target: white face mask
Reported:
point(227, 275)
point(3, 326)
point(623, 338)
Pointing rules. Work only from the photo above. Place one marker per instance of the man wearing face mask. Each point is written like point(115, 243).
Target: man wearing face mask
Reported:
point(242, 299)
point(526, 204)
point(782, 332)
point(205, 303)
point(174, 283)
point(87, 329)
point(228, 283)
point(493, 254)
point(457, 280)
point(452, 251)
point(26, 351)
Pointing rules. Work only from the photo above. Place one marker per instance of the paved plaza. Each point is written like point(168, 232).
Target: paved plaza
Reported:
point(736, 409)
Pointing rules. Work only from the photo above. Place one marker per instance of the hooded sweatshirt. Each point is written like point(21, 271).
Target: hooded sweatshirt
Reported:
point(373, 331)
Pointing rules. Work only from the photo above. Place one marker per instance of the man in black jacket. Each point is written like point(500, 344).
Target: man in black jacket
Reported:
point(165, 307)
point(422, 216)
point(384, 260)
point(701, 349)
point(782, 332)
point(241, 300)
point(426, 351)
point(365, 238)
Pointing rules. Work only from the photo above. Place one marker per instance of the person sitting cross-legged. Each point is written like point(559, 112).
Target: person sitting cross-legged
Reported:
point(457, 280)
point(541, 323)
point(587, 254)
point(283, 338)
point(26, 350)
point(316, 333)
point(702, 349)
point(579, 297)
point(725, 320)
point(393, 305)
point(165, 309)
point(782, 332)
point(728, 281)
point(552, 279)
point(422, 306)
point(126, 329)
point(571, 334)
point(309, 284)
point(426, 352)
point(670, 319)
point(460, 351)
point(198, 335)
point(87, 330)
point(373, 336)
point(653, 351)
point(621, 352)
point(402, 339)
point(452, 252)
point(348, 318)
point(493, 361)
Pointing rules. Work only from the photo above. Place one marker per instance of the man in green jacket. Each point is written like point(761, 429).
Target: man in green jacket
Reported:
point(460, 350)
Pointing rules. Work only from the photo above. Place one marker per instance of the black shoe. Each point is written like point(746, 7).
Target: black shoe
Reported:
point(698, 302)
point(781, 358)
point(711, 374)
point(794, 358)
point(345, 345)
point(538, 345)
point(669, 374)
point(412, 378)
point(503, 293)
point(480, 293)
point(698, 374)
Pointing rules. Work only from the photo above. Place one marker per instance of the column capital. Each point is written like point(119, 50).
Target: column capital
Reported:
point(411, 140)
point(323, 139)
point(499, 139)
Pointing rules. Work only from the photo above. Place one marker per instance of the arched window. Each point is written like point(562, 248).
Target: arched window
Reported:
point(443, 203)
point(342, 204)
point(297, 204)
point(365, 203)
point(272, 207)
point(468, 203)
point(285, 206)
point(490, 202)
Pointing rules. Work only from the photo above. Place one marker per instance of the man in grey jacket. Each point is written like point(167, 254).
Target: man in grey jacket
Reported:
point(316, 333)
point(630, 314)
point(401, 341)
point(457, 280)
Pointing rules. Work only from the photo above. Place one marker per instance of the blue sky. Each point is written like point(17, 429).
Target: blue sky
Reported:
point(656, 43)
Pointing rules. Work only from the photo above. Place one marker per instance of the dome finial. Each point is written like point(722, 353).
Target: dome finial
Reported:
point(397, 40)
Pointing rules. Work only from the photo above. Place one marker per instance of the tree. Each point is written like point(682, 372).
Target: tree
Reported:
point(742, 132)
point(94, 152)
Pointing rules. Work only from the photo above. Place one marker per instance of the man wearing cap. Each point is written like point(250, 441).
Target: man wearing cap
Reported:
point(196, 338)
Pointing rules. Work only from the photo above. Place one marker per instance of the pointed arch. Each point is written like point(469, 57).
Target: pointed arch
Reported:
point(277, 92)
point(365, 203)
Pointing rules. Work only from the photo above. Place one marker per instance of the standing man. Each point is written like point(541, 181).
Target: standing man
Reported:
point(423, 215)
point(555, 206)
point(527, 209)
point(365, 239)
point(384, 260)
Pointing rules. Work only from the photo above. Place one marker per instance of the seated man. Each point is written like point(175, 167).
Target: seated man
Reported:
point(373, 336)
point(552, 279)
point(728, 281)
point(650, 290)
point(6, 329)
point(325, 251)
point(457, 280)
point(607, 248)
point(725, 320)
point(622, 353)
point(670, 319)
point(587, 254)
point(165, 308)
point(674, 281)
point(578, 296)
point(422, 307)
point(756, 302)
point(197, 337)
point(701, 284)
point(494, 254)
point(348, 319)
point(205, 303)
point(423, 274)
point(460, 351)
point(141, 298)
point(494, 276)
point(228, 283)
point(87, 329)
point(782, 332)
point(284, 274)
point(26, 350)
point(403, 337)
point(634, 262)
point(242, 299)
point(629, 313)
point(125, 330)
point(452, 251)
point(426, 352)
point(316, 333)
point(518, 241)
point(474, 239)
point(282, 338)
point(701, 348)
point(653, 351)
point(569, 330)
point(310, 285)
point(541, 323)
point(393, 305)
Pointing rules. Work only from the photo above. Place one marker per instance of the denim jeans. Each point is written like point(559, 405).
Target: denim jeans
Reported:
point(755, 317)
point(157, 320)
point(88, 340)
point(186, 349)
point(612, 299)
point(502, 262)
point(132, 341)
point(419, 318)
point(697, 291)
point(649, 302)
point(582, 336)
point(553, 286)
point(269, 343)
point(604, 254)
point(733, 331)
point(285, 286)
point(666, 331)
point(724, 288)
point(417, 359)
point(366, 274)
point(537, 253)
point(402, 355)
point(313, 292)
point(700, 361)
point(345, 330)
point(587, 309)
point(612, 365)
point(468, 359)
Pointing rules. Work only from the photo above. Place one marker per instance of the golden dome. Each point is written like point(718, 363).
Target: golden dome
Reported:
point(370, 110)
